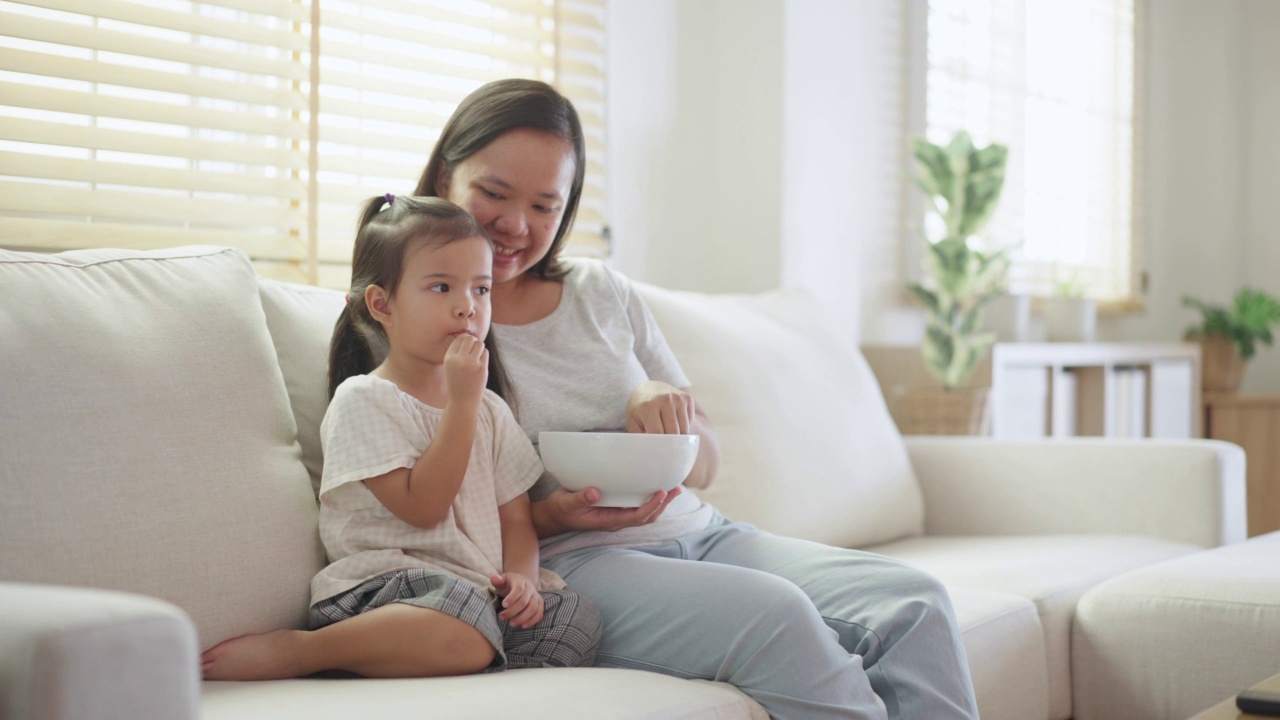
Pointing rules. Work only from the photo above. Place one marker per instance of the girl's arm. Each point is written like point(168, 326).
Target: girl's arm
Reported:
point(423, 495)
point(518, 582)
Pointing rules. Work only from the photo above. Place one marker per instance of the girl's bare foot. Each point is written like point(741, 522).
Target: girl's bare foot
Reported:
point(268, 656)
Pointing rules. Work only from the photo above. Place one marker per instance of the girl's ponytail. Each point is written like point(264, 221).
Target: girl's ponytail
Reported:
point(373, 261)
point(349, 351)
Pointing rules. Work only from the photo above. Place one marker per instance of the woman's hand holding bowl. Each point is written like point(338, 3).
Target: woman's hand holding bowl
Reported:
point(576, 511)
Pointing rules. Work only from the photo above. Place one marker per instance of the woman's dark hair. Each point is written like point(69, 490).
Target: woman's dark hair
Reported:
point(492, 110)
point(383, 238)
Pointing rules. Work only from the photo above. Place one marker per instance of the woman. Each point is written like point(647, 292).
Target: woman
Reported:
point(808, 631)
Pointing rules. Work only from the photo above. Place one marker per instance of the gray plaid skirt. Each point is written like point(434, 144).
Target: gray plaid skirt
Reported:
point(568, 634)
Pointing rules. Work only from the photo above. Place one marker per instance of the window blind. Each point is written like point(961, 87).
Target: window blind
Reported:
point(147, 125)
point(392, 72)
point(260, 124)
point(1058, 83)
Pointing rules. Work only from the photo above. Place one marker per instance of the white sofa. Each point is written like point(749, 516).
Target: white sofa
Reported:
point(159, 453)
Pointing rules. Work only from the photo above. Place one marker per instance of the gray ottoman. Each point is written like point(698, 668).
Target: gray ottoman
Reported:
point(1168, 640)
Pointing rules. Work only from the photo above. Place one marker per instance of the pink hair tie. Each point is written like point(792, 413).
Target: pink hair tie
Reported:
point(389, 198)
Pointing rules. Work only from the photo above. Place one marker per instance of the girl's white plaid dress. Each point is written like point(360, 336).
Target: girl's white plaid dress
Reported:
point(372, 428)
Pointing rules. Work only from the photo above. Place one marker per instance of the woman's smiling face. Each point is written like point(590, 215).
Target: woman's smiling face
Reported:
point(516, 187)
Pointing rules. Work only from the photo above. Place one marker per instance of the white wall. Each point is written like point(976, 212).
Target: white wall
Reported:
point(1262, 173)
point(1213, 166)
point(844, 138)
point(758, 143)
point(695, 110)
point(1193, 174)
point(737, 123)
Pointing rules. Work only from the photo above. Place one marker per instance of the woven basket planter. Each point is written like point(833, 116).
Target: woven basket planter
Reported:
point(926, 410)
point(1221, 367)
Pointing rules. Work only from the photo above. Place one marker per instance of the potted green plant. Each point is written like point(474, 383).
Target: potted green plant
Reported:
point(962, 184)
point(1068, 315)
point(1228, 337)
point(1008, 316)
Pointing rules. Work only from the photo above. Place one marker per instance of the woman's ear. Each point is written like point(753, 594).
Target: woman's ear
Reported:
point(375, 298)
point(443, 179)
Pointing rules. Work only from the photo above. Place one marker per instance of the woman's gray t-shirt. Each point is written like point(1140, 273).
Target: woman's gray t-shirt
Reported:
point(574, 370)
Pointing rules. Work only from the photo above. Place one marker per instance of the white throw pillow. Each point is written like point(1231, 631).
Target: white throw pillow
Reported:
point(809, 448)
point(148, 443)
point(301, 319)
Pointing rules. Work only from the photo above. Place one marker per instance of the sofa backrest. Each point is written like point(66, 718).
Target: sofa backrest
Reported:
point(147, 439)
point(809, 449)
point(301, 320)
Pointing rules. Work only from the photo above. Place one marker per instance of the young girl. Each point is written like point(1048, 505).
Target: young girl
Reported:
point(423, 504)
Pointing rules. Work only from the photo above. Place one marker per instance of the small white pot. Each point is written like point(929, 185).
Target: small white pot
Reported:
point(1070, 319)
point(1009, 317)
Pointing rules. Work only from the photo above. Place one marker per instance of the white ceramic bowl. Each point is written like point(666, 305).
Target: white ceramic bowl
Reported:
point(628, 468)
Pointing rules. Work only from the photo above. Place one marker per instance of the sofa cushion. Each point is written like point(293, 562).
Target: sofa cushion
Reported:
point(550, 694)
point(301, 319)
point(1005, 648)
point(1171, 639)
point(148, 441)
point(1052, 571)
point(809, 448)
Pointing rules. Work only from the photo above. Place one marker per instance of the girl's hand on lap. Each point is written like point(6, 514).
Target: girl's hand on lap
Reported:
point(522, 604)
point(658, 408)
point(576, 510)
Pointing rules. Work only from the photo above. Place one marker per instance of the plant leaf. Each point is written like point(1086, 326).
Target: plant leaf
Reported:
point(933, 169)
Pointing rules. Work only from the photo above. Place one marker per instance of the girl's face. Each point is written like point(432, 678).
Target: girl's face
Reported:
point(516, 187)
point(443, 293)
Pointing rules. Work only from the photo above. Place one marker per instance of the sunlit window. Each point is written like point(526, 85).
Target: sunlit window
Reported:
point(1056, 81)
point(154, 123)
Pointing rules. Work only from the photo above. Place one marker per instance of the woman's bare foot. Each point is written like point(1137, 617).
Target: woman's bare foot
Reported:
point(267, 656)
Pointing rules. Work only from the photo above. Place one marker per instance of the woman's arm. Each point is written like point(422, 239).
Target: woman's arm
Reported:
point(653, 407)
point(656, 407)
point(707, 466)
point(565, 510)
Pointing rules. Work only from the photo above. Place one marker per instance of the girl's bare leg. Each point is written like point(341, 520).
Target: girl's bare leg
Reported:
point(395, 640)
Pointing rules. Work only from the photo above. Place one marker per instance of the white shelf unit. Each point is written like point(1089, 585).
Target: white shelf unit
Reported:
point(1097, 389)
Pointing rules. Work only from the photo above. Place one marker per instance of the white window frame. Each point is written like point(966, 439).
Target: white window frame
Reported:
point(914, 248)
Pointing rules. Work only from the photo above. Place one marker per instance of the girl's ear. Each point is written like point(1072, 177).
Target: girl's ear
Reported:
point(375, 298)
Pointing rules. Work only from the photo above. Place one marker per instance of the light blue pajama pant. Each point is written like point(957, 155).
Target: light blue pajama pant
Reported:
point(807, 630)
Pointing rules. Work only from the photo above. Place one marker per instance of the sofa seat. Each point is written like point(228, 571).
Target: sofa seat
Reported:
point(1005, 646)
point(1050, 571)
point(551, 694)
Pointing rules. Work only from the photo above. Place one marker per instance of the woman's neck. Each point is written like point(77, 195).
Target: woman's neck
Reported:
point(525, 299)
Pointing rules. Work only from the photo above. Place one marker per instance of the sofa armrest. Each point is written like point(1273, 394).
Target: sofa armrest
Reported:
point(81, 653)
point(1190, 491)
